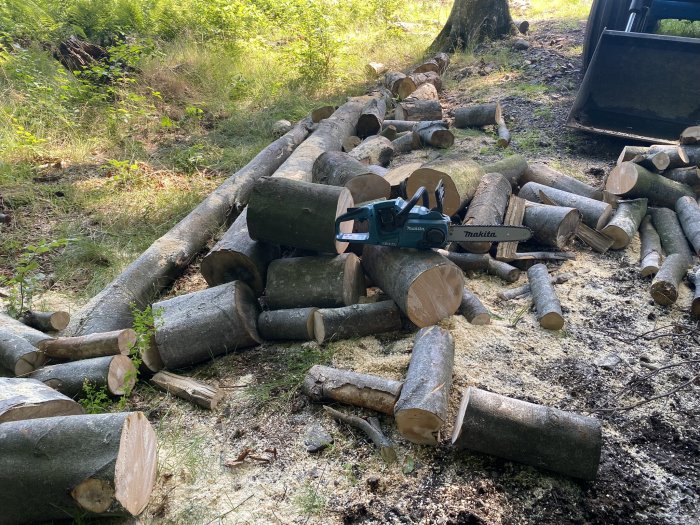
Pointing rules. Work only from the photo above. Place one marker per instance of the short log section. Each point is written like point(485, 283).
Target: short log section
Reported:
point(357, 320)
point(594, 213)
point(664, 287)
point(487, 208)
point(46, 321)
point(625, 222)
point(294, 324)
point(472, 309)
point(116, 374)
point(632, 181)
point(18, 355)
point(13, 326)
point(336, 168)
point(547, 306)
point(670, 232)
point(92, 345)
point(650, 252)
point(477, 116)
point(30, 399)
point(688, 213)
point(189, 389)
point(552, 225)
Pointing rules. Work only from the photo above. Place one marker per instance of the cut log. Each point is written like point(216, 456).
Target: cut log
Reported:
point(411, 125)
point(371, 118)
point(437, 136)
point(198, 326)
point(340, 169)
point(650, 252)
point(688, 213)
point(416, 109)
point(291, 324)
point(543, 256)
point(92, 345)
point(306, 220)
point(532, 434)
point(321, 113)
point(689, 176)
point(513, 217)
point(389, 132)
point(423, 92)
point(421, 409)
point(664, 287)
point(670, 232)
point(325, 282)
point(399, 84)
point(525, 290)
point(487, 207)
point(503, 134)
point(630, 152)
point(115, 373)
point(552, 225)
point(694, 278)
point(31, 399)
point(323, 383)
point(18, 355)
point(522, 26)
point(477, 115)
point(374, 150)
point(544, 298)
point(350, 143)
point(13, 326)
point(46, 321)
point(426, 286)
point(237, 257)
point(656, 162)
point(428, 65)
point(419, 79)
point(406, 143)
point(81, 466)
point(594, 213)
point(357, 320)
point(690, 135)
point(189, 389)
point(170, 255)
point(632, 181)
point(482, 262)
point(543, 174)
point(512, 168)
point(397, 178)
point(625, 222)
point(472, 309)
point(676, 154)
point(384, 444)
point(376, 69)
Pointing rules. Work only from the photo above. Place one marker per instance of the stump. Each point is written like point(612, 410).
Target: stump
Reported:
point(625, 222)
point(543, 174)
point(357, 320)
point(650, 252)
point(473, 21)
point(487, 208)
point(30, 399)
point(664, 287)
point(46, 321)
point(632, 181)
point(18, 355)
point(552, 225)
point(689, 216)
point(545, 298)
point(118, 342)
point(336, 168)
point(291, 324)
point(116, 374)
point(472, 309)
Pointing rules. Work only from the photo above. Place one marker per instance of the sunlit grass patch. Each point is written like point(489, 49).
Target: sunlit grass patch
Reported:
point(558, 9)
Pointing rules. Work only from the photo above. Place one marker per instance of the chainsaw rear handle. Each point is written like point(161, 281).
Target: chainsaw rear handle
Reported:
point(353, 214)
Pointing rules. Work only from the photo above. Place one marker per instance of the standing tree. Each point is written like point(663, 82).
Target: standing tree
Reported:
point(472, 22)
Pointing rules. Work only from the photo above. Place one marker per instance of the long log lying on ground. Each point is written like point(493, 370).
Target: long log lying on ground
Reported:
point(336, 168)
point(664, 287)
point(18, 355)
point(328, 136)
point(670, 232)
point(116, 374)
point(13, 326)
point(688, 213)
point(552, 225)
point(46, 321)
point(30, 399)
point(357, 320)
point(237, 257)
point(421, 409)
point(543, 174)
point(694, 277)
point(525, 290)
point(625, 222)
point(374, 150)
point(288, 324)
point(650, 251)
point(323, 383)
point(472, 309)
point(482, 262)
point(487, 207)
point(298, 214)
point(689, 176)
point(632, 181)
point(477, 115)
point(325, 282)
point(547, 306)
point(198, 326)
point(373, 431)
point(92, 345)
point(426, 286)
point(532, 434)
point(89, 465)
point(168, 256)
point(189, 389)
point(594, 213)
point(512, 168)
point(411, 125)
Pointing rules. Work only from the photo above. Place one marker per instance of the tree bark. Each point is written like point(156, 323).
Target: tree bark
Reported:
point(357, 320)
point(482, 262)
point(399, 84)
point(630, 152)
point(676, 155)
point(13, 326)
point(88, 346)
point(487, 207)
point(411, 125)
point(552, 225)
point(512, 168)
point(417, 109)
point(650, 252)
point(632, 181)
point(437, 136)
point(336, 168)
point(198, 326)
point(291, 324)
point(688, 213)
point(625, 222)
point(689, 176)
point(409, 141)
point(545, 298)
point(115, 373)
point(323, 383)
point(473, 21)
point(532, 434)
point(18, 355)
point(371, 118)
point(421, 409)
point(298, 214)
point(472, 309)
point(350, 143)
point(655, 162)
point(690, 155)
point(189, 389)
point(324, 282)
point(46, 321)
point(664, 287)
point(543, 174)
point(478, 115)
point(374, 150)
point(670, 232)
point(31, 399)
point(76, 466)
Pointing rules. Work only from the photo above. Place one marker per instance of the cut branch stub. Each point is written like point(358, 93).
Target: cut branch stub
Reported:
point(188, 389)
point(30, 399)
point(625, 222)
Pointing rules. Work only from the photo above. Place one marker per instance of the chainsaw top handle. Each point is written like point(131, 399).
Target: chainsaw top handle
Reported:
point(406, 209)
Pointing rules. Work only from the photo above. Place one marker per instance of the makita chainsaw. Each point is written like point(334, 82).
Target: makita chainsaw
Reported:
point(401, 223)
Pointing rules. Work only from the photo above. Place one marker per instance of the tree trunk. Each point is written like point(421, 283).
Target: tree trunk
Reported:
point(487, 208)
point(87, 346)
point(399, 84)
point(472, 309)
point(688, 213)
point(324, 282)
point(477, 115)
point(168, 256)
point(189, 389)
point(46, 321)
point(371, 118)
point(417, 109)
point(532, 434)
point(543, 174)
point(298, 214)
point(545, 298)
point(292, 324)
point(689, 176)
point(426, 286)
point(31, 399)
point(336, 168)
point(625, 222)
point(632, 181)
point(357, 320)
point(482, 262)
point(421, 409)
point(512, 168)
point(13, 326)
point(18, 355)
point(472, 22)
point(650, 252)
point(116, 374)
point(374, 150)
point(664, 287)
point(670, 232)
point(323, 383)
point(76, 466)
point(552, 225)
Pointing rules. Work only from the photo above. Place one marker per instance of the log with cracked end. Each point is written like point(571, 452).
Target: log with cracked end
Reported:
point(24, 398)
point(664, 287)
point(18, 355)
point(547, 306)
point(357, 320)
point(92, 345)
point(202, 394)
point(46, 321)
point(625, 223)
point(552, 225)
point(473, 310)
point(383, 443)
point(650, 251)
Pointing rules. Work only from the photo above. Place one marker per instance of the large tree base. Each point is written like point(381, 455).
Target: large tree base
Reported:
point(473, 21)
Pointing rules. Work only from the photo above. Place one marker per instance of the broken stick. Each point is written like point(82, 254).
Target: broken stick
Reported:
point(188, 389)
point(383, 443)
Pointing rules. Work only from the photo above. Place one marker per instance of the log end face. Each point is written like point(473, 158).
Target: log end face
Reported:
point(318, 329)
point(121, 376)
point(567, 228)
point(418, 426)
point(126, 340)
point(28, 363)
point(434, 295)
point(481, 320)
point(150, 358)
point(552, 321)
point(622, 179)
point(664, 293)
point(59, 320)
point(618, 235)
point(94, 495)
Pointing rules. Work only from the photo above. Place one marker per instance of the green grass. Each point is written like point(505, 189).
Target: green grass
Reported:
point(679, 28)
point(558, 9)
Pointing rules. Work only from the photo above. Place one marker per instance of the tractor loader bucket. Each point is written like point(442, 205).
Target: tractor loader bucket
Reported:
point(640, 86)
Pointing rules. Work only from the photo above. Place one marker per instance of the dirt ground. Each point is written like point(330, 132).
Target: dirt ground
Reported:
point(605, 356)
